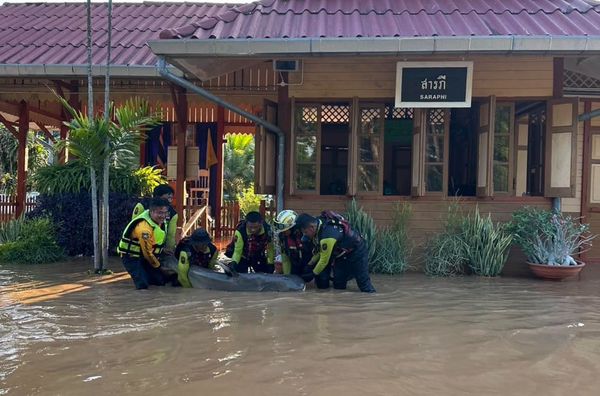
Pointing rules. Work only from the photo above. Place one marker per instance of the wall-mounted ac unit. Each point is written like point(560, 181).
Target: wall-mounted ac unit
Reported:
point(286, 65)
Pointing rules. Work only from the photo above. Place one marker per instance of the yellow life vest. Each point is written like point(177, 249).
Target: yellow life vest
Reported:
point(131, 246)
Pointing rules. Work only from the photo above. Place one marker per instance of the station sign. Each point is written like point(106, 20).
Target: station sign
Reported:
point(434, 84)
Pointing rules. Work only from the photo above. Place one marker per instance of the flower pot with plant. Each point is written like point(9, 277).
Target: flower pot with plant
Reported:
point(550, 240)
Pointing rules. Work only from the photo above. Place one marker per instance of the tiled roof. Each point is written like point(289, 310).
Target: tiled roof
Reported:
point(51, 33)
point(396, 18)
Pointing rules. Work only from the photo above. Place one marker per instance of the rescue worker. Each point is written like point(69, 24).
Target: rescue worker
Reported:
point(338, 248)
point(142, 245)
point(198, 250)
point(252, 246)
point(295, 254)
point(166, 192)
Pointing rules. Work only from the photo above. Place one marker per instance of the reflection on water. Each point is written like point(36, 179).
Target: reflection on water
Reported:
point(63, 333)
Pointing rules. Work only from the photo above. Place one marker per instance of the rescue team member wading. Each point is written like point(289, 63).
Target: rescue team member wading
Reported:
point(142, 245)
point(166, 192)
point(252, 245)
point(198, 250)
point(295, 254)
point(338, 246)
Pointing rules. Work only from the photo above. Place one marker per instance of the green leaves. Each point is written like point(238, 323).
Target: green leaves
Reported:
point(238, 172)
point(35, 243)
point(74, 177)
point(547, 237)
point(486, 244)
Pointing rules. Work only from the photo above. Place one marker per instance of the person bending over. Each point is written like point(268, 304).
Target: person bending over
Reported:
point(339, 248)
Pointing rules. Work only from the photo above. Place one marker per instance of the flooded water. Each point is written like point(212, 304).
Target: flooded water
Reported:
point(63, 333)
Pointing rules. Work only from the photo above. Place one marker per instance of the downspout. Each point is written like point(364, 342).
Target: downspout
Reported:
point(556, 205)
point(161, 66)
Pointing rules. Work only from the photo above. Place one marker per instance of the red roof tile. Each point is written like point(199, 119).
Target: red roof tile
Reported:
point(396, 18)
point(51, 33)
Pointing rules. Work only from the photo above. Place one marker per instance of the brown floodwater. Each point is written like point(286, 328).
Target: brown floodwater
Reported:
point(64, 333)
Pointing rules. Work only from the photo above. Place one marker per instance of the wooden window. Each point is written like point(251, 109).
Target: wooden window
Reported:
point(306, 147)
point(503, 143)
point(397, 150)
point(320, 139)
point(370, 148)
point(436, 151)
point(594, 159)
point(561, 145)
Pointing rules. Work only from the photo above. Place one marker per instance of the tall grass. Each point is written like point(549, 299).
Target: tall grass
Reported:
point(393, 245)
point(35, 243)
point(362, 222)
point(10, 230)
point(445, 253)
point(486, 244)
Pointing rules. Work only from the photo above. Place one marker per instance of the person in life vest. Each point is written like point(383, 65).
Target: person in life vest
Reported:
point(295, 255)
point(142, 245)
point(166, 192)
point(198, 250)
point(252, 246)
point(338, 248)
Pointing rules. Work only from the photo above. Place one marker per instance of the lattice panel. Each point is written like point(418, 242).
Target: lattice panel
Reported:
point(310, 114)
point(576, 80)
point(436, 116)
point(335, 114)
point(398, 113)
point(369, 115)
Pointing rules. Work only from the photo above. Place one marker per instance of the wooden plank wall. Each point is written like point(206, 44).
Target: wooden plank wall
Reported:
point(375, 77)
point(594, 221)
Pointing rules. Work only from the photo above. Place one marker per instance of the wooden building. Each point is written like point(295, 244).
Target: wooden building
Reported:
point(513, 125)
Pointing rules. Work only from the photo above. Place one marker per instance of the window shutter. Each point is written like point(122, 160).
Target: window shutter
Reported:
point(561, 145)
point(418, 154)
point(485, 152)
point(265, 152)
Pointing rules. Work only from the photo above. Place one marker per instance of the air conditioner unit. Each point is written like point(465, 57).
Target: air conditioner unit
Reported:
point(283, 65)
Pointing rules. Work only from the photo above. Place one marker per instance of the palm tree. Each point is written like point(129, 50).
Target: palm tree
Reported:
point(238, 172)
point(96, 142)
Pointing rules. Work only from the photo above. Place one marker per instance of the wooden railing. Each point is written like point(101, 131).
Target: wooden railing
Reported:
point(231, 216)
point(8, 206)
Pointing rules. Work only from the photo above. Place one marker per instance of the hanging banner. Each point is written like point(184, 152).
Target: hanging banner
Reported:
point(434, 84)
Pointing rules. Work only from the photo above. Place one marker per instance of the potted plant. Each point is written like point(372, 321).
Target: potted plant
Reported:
point(550, 240)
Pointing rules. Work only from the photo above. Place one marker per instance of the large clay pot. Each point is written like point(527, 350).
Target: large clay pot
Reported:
point(555, 272)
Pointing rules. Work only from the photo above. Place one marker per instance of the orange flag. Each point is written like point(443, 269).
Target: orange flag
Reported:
point(211, 156)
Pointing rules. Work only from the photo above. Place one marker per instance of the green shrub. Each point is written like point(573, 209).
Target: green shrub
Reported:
point(249, 201)
point(393, 246)
point(35, 243)
point(74, 177)
point(486, 244)
point(445, 252)
point(549, 238)
point(10, 230)
point(362, 222)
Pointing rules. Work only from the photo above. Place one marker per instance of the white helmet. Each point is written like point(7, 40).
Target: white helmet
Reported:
point(285, 220)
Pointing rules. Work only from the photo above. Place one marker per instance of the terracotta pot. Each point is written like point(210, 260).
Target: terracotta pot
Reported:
point(555, 272)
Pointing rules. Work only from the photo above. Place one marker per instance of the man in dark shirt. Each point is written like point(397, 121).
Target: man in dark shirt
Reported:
point(339, 248)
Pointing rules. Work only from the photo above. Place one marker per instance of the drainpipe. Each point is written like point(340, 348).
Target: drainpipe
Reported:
point(161, 66)
point(590, 115)
point(556, 205)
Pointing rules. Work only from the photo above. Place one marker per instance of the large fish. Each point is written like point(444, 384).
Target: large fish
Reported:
point(199, 277)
